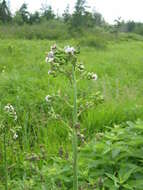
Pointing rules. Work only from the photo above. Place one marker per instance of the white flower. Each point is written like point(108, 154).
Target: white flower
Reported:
point(81, 67)
point(69, 49)
point(15, 136)
point(48, 98)
point(49, 60)
point(15, 116)
point(6, 108)
point(51, 54)
point(49, 72)
point(10, 110)
point(94, 76)
point(50, 57)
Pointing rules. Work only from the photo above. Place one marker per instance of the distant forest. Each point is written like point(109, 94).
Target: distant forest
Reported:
point(81, 20)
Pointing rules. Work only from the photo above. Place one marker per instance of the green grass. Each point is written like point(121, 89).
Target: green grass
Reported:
point(24, 82)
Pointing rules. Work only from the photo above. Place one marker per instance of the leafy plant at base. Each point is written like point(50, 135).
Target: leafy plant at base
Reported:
point(114, 158)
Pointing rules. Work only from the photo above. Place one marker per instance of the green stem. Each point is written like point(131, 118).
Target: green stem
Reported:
point(5, 160)
point(75, 144)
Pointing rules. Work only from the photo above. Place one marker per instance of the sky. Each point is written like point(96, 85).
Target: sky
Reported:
point(110, 9)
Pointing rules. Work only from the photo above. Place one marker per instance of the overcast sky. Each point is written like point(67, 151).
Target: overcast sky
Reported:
point(110, 9)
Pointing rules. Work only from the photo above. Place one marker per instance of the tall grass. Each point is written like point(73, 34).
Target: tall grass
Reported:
point(24, 82)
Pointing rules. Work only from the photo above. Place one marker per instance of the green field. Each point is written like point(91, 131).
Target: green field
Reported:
point(34, 159)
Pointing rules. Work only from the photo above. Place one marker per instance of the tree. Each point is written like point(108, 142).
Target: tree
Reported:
point(5, 14)
point(66, 15)
point(88, 19)
point(80, 7)
point(130, 26)
point(24, 12)
point(117, 26)
point(97, 18)
point(78, 15)
point(47, 12)
point(34, 18)
point(118, 23)
point(22, 15)
point(18, 18)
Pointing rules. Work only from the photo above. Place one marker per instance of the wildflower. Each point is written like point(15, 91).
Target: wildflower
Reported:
point(49, 72)
point(15, 116)
point(81, 67)
point(10, 110)
point(69, 50)
point(94, 76)
point(15, 136)
point(48, 98)
point(50, 57)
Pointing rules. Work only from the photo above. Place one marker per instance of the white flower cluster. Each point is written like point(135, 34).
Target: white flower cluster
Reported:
point(49, 72)
point(80, 67)
point(58, 57)
point(14, 133)
point(48, 98)
point(69, 50)
point(15, 136)
point(10, 110)
point(50, 56)
point(92, 76)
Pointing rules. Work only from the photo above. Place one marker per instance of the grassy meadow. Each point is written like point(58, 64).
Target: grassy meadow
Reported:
point(40, 158)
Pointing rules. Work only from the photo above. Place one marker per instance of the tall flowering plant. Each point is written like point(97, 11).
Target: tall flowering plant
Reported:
point(65, 61)
point(8, 128)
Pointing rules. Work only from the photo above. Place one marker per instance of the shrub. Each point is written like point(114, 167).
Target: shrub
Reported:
point(93, 41)
point(52, 30)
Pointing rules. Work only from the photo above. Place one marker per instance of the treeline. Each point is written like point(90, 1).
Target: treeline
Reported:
point(129, 26)
point(45, 24)
point(80, 17)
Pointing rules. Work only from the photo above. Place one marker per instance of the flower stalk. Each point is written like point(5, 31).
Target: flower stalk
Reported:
point(64, 61)
point(75, 141)
point(5, 159)
point(10, 115)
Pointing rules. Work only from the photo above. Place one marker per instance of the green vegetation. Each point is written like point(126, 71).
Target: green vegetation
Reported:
point(45, 24)
point(38, 25)
point(43, 128)
point(40, 158)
